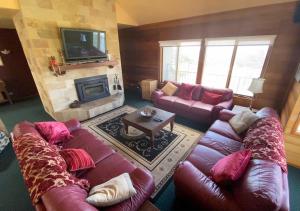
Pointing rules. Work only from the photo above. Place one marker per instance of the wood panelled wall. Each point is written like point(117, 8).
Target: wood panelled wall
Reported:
point(289, 116)
point(15, 72)
point(140, 51)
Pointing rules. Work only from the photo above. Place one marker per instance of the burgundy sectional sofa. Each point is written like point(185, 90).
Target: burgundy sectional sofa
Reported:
point(109, 164)
point(194, 109)
point(264, 186)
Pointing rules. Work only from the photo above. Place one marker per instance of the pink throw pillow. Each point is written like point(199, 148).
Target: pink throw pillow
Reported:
point(77, 159)
point(186, 91)
point(231, 167)
point(211, 98)
point(53, 132)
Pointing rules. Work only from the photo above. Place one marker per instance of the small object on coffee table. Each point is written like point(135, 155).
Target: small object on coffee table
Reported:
point(75, 104)
point(147, 112)
point(149, 127)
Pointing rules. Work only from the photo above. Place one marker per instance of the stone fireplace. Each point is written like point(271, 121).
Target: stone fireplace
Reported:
point(92, 88)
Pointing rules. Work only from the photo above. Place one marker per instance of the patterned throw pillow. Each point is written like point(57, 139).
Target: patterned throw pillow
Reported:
point(77, 159)
point(4, 140)
point(53, 132)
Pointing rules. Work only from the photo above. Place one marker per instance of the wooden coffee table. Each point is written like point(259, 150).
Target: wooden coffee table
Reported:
point(149, 126)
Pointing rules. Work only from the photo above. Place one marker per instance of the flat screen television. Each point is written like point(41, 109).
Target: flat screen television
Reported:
point(83, 44)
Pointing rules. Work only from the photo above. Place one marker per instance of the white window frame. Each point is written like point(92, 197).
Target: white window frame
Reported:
point(177, 43)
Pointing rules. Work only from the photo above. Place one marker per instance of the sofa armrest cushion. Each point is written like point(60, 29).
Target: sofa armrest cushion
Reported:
point(226, 115)
point(156, 95)
point(261, 187)
point(67, 198)
point(72, 125)
point(194, 186)
point(25, 127)
point(144, 185)
point(219, 107)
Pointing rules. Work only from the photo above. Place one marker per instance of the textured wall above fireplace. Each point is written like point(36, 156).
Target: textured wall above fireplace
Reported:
point(92, 88)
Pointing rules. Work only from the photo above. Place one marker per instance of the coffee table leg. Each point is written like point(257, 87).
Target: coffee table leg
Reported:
point(126, 128)
point(152, 137)
point(172, 125)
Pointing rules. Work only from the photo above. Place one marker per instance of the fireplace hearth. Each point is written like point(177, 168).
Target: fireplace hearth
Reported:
point(92, 88)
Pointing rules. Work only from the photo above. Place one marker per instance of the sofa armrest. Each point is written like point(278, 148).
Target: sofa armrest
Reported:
point(195, 187)
point(72, 125)
point(67, 198)
point(219, 107)
point(156, 95)
point(226, 115)
point(144, 184)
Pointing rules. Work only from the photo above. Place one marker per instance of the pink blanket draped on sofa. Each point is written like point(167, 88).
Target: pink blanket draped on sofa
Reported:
point(265, 140)
point(42, 166)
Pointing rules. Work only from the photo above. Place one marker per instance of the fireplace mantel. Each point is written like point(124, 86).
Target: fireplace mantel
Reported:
point(92, 108)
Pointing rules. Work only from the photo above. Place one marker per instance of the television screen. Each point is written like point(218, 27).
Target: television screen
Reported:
point(81, 44)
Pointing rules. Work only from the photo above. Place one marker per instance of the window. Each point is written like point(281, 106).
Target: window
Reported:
point(180, 60)
point(217, 63)
point(233, 62)
point(296, 129)
point(227, 62)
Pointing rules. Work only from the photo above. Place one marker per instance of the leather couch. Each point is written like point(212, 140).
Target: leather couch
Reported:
point(194, 109)
point(264, 186)
point(109, 164)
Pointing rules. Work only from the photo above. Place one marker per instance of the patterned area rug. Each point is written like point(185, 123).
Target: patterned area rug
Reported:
point(160, 159)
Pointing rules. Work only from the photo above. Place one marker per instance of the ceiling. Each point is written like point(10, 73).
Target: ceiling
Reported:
point(145, 11)
point(140, 12)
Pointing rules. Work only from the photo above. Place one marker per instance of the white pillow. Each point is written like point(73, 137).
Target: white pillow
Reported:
point(112, 192)
point(242, 121)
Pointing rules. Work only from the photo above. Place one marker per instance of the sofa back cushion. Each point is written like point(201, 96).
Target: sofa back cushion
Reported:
point(227, 94)
point(197, 92)
point(267, 112)
point(186, 91)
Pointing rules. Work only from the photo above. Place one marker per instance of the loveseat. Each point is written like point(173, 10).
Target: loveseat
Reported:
point(264, 185)
point(194, 108)
point(108, 163)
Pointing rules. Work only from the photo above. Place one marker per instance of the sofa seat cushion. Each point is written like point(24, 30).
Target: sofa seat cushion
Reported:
point(108, 168)
point(167, 101)
point(204, 158)
point(224, 128)
point(182, 105)
point(201, 109)
point(220, 143)
point(93, 146)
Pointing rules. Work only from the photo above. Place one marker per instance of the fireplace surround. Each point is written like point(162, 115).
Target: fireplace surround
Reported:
point(92, 88)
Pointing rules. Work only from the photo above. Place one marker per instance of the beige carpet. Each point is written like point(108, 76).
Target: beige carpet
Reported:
point(168, 155)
